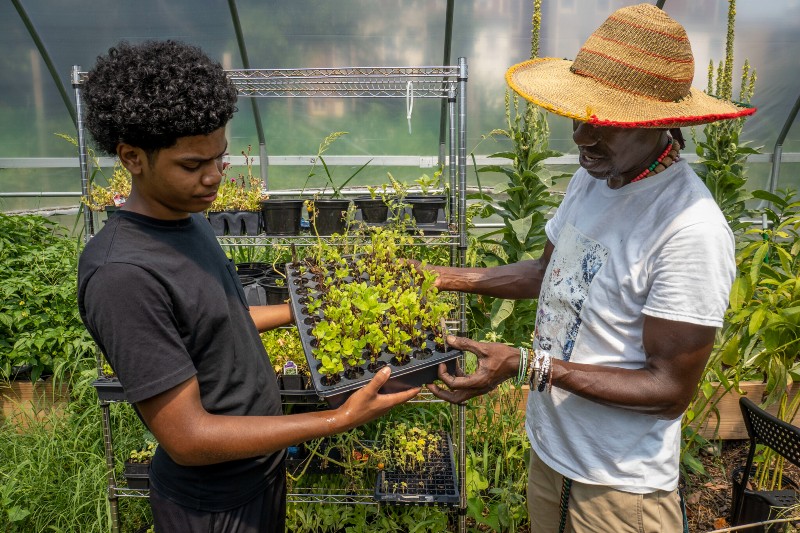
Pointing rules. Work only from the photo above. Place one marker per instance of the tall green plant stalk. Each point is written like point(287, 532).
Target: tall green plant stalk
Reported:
point(723, 156)
point(526, 202)
point(536, 25)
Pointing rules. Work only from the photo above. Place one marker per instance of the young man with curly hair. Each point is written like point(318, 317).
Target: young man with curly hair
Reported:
point(165, 305)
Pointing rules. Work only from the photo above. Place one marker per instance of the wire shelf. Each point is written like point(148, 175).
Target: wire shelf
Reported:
point(332, 496)
point(312, 240)
point(350, 82)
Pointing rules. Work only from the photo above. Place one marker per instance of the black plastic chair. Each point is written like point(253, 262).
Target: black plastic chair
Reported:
point(784, 439)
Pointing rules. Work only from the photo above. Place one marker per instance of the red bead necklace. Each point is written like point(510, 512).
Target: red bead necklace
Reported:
point(670, 154)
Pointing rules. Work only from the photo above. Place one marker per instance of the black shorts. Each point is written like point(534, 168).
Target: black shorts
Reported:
point(265, 513)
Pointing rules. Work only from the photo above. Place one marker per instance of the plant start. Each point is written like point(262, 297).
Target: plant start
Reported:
point(144, 455)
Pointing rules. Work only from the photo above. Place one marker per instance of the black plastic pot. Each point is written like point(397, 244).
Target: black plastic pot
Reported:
point(274, 293)
point(281, 216)
point(234, 222)
point(109, 389)
point(293, 382)
point(373, 210)
point(263, 267)
point(137, 475)
point(329, 216)
point(759, 506)
point(250, 272)
point(425, 209)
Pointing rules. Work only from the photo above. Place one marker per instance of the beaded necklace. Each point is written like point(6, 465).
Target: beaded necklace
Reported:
point(670, 154)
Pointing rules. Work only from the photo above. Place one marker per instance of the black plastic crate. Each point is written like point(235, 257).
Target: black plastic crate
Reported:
point(434, 483)
point(421, 369)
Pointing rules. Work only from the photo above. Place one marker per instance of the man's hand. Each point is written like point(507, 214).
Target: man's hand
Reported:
point(496, 363)
point(368, 404)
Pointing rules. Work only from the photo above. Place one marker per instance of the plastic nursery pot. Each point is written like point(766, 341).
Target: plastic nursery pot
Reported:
point(263, 267)
point(274, 294)
point(292, 382)
point(762, 505)
point(254, 294)
point(250, 272)
point(425, 209)
point(281, 216)
point(329, 216)
point(373, 210)
point(234, 222)
point(109, 389)
point(137, 475)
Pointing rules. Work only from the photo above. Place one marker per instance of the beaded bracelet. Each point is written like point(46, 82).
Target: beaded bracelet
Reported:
point(539, 371)
point(535, 368)
point(523, 365)
point(544, 374)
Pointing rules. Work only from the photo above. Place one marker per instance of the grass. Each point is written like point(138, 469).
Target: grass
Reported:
point(54, 470)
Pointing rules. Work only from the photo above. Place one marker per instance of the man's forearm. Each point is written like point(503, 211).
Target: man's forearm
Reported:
point(514, 282)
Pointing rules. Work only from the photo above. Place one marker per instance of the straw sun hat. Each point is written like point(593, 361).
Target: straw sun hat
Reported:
point(634, 71)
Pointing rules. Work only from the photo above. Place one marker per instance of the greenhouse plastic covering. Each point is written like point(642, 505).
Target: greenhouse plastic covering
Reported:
point(35, 156)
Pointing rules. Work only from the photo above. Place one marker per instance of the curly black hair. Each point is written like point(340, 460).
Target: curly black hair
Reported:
point(150, 94)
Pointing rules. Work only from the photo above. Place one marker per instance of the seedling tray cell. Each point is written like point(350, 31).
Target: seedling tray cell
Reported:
point(434, 483)
point(421, 368)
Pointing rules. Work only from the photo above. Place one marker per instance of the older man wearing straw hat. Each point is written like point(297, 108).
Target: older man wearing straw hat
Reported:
point(632, 284)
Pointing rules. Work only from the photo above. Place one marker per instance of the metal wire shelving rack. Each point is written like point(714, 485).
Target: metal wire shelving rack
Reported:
point(446, 83)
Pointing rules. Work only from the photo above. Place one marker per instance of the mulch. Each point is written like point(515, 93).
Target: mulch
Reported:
point(708, 499)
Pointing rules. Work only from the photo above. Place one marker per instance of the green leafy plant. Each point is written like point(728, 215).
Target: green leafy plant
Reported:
point(118, 186)
point(242, 193)
point(55, 468)
point(40, 326)
point(143, 454)
point(370, 302)
point(723, 155)
point(762, 335)
point(283, 346)
point(408, 447)
point(722, 167)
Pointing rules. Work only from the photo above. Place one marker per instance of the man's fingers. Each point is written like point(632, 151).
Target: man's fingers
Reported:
point(446, 395)
point(464, 344)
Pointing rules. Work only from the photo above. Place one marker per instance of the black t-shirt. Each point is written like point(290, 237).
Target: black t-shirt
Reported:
point(164, 303)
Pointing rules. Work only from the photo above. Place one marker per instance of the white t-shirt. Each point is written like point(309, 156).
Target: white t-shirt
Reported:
point(659, 247)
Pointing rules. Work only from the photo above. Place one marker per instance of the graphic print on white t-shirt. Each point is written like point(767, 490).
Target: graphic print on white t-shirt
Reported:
point(576, 260)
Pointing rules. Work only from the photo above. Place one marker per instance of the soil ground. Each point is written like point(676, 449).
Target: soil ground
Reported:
point(708, 499)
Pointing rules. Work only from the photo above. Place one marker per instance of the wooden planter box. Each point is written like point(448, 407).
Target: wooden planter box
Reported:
point(731, 423)
point(23, 400)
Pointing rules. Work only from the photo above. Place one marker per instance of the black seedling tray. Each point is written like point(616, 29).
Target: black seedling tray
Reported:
point(421, 369)
point(435, 483)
